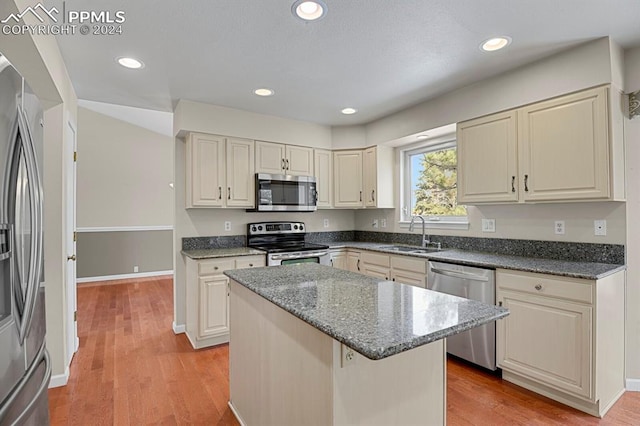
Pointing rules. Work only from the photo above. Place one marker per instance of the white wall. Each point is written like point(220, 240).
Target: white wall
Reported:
point(632, 136)
point(199, 117)
point(343, 137)
point(576, 69)
point(40, 62)
point(123, 173)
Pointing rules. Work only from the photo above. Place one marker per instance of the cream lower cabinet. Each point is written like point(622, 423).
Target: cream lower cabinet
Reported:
point(353, 260)
point(219, 171)
point(338, 259)
point(568, 148)
point(375, 265)
point(564, 337)
point(208, 298)
point(408, 270)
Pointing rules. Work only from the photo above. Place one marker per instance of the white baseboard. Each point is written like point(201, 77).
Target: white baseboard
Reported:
point(235, 413)
point(179, 329)
point(59, 380)
point(633, 385)
point(124, 276)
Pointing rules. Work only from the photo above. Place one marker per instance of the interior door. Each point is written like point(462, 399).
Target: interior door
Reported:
point(70, 239)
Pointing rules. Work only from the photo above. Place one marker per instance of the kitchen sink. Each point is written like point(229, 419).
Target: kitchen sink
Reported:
point(405, 249)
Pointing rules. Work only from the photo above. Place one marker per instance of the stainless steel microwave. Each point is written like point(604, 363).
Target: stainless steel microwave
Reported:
point(285, 193)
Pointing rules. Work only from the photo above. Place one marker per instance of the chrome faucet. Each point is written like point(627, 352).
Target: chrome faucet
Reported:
point(425, 238)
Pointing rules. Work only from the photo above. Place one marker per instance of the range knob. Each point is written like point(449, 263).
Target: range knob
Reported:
point(301, 227)
point(253, 229)
point(295, 226)
point(260, 228)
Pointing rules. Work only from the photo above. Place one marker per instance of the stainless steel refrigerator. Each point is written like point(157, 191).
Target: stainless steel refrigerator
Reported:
point(25, 368)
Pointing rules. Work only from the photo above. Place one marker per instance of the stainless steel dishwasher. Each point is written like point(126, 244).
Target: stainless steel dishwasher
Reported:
point(477, 345)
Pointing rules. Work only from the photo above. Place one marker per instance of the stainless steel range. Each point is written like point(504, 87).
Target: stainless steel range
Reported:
point(284, 243)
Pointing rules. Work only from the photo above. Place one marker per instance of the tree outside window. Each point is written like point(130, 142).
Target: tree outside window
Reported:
point(433, 183)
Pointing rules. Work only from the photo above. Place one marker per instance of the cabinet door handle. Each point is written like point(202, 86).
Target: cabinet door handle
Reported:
point(287, 164)
point(284, 165)
point(526, 179)
point(361, 196)
point(538, 287)
point(513, 184)
point(228, 193)
point(215, 268)
point(331, 260)
point(500, 303)
point(373, 195)
point(219, 193)
point(358, 264)
point(251, 265)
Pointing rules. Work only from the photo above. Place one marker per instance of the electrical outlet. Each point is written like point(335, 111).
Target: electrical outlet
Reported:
point(375, 223)
point(348, 355)
point(488, 225)
point(600, 227)
point(383, 223)
point(559, 227)
point(227, 226)
point(325, 223)
point(135, 268)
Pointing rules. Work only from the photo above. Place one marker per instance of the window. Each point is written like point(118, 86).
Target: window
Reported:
point(430, 185)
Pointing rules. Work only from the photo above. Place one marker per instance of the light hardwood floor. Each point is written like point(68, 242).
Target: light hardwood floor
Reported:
point(132, 370)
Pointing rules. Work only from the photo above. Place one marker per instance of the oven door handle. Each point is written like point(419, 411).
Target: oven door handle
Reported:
point(299, 255)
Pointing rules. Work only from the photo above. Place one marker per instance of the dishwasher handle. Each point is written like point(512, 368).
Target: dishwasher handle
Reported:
point(461, 275)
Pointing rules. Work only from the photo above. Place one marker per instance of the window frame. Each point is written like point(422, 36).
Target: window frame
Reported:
point(432, 222)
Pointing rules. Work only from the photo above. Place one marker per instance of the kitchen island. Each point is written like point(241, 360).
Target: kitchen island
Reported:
point(314, 345)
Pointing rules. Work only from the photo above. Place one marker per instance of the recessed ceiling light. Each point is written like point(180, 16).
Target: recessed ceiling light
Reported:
point(309, 10)
point(349, 111)
point(422, 137)
point(264, 92)
point(130, 63)
point(495, 43)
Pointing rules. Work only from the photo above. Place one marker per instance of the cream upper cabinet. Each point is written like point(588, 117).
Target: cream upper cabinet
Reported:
point(205, 170)
point(564, 337)
point(219, 171)
point(488, 159)
point(299, 160)
point(363, 178)
point(283, 159)
point(568, 148)
point(323, 167)
point(565, 148)
point(240, 173)
point(347, 178)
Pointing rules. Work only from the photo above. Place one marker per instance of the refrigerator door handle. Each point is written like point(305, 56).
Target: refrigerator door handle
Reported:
point(35, 267)
point(43, 355)
point(41, 389)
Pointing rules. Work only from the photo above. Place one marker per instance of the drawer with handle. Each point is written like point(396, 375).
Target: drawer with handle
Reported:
point(576, 289)
point(213, 267)
point(250, 262)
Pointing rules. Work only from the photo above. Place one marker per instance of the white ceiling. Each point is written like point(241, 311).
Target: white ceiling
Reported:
point(378, 56)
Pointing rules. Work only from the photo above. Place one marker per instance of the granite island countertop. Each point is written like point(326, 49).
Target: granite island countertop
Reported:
point(376, 318)
point(584, 270)
point(221, 252)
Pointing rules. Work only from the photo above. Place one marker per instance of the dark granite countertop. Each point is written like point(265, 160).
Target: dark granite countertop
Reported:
point(586, 270)
point(221, 252)
point(374, 317)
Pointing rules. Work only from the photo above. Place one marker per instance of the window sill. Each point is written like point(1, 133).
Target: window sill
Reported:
point(459, 224)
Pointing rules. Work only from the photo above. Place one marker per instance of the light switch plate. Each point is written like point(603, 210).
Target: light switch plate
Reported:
point(488, 225)
point(559, 227)
point(375, 223)
point(383, 223)
point(600, 227)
